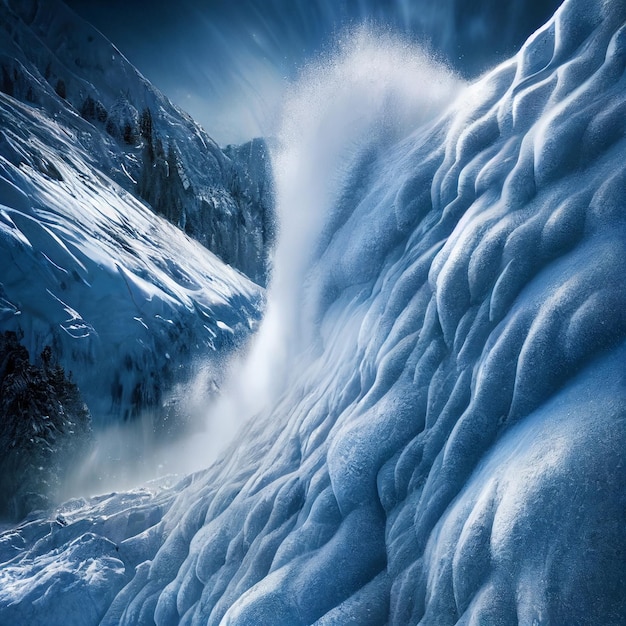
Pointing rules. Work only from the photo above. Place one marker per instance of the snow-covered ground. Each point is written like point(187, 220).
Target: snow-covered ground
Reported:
point(126, 300)
point(443, 440)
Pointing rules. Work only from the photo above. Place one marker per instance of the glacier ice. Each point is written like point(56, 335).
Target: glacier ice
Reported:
point(445, 442)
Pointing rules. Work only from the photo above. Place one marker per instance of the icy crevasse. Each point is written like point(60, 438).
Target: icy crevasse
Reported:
point(448, 444)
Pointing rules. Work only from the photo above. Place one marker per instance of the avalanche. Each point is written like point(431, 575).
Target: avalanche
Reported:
point(443, 440)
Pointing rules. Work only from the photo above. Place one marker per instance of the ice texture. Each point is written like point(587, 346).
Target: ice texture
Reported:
point(445, 445)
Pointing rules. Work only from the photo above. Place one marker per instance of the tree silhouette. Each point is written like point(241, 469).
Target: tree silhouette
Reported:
point(44, 426)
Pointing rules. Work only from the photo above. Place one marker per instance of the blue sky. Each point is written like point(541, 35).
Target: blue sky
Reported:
point(227, 61)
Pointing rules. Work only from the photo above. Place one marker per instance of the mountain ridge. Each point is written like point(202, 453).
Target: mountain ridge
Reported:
point(53, 59)
point(88, 268)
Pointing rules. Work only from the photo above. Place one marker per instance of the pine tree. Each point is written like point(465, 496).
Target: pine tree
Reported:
point(44, 427)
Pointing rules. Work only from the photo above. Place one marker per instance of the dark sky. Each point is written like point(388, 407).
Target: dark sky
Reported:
point(227, 61)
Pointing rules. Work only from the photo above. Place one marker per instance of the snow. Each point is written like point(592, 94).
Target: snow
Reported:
point(61, 67)
point(443, 443)
point(84, 261)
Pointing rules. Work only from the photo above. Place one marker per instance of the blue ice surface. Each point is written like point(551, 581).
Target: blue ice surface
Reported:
point(447, 443)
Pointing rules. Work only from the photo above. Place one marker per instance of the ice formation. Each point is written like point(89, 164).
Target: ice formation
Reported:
point(445, 442)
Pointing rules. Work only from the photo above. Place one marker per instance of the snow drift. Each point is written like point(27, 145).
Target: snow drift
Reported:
point(445, 443)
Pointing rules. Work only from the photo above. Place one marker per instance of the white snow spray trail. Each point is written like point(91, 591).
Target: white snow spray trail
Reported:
point(372, 90)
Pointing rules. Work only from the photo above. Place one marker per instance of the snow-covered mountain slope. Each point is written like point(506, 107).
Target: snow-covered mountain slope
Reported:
point(126, 300)
point(52, 60)
point(445, 443)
